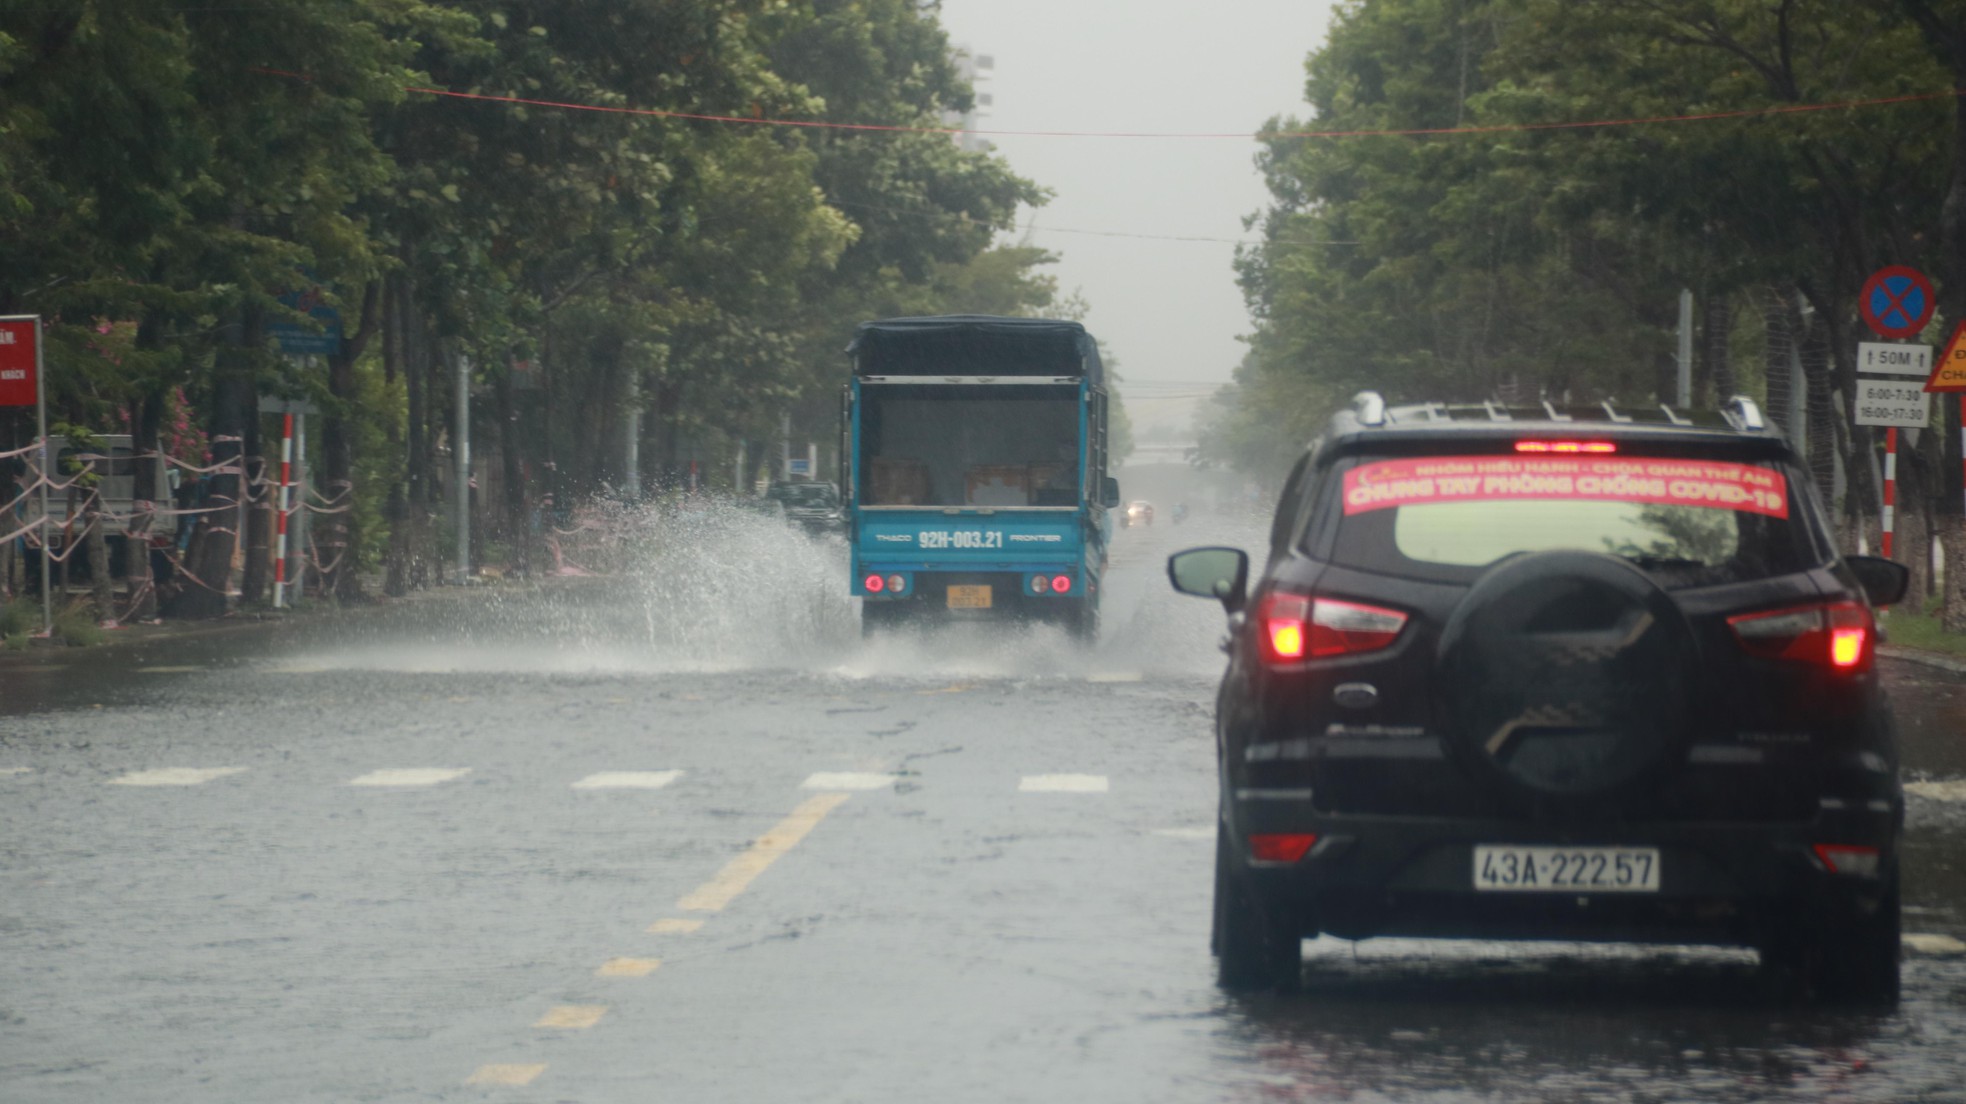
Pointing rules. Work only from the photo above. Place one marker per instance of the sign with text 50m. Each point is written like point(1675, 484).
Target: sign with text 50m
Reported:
point(19, 366)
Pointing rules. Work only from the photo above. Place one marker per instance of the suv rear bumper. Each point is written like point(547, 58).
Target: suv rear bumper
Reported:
point(1723, 883)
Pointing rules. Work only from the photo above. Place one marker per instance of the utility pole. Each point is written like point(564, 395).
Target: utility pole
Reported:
point(1683, 396)
point(631, 429)
point(461, 455)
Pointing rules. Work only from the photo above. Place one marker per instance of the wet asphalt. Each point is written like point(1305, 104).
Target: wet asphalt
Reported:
point(678, 833)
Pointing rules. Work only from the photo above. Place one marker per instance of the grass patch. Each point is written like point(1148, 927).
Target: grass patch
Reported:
point(19, 618)
point(1922, 631)
point(76, 625)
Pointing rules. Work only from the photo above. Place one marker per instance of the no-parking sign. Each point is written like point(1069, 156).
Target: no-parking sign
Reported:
point(1897, 302)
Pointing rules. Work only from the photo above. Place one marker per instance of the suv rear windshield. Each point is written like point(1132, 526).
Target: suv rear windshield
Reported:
point(1689, 522)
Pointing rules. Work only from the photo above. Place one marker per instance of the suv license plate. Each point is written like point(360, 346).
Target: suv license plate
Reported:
point(1515, 869)
point(969, 597)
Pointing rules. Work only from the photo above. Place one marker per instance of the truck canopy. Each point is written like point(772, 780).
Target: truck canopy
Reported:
point(975, 345)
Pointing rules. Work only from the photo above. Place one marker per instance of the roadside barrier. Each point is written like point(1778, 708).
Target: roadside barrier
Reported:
point(77, 509)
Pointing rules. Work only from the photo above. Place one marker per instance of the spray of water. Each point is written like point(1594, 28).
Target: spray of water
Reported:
point(723, 587)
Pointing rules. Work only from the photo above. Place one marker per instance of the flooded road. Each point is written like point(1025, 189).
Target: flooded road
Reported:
point(681, 834)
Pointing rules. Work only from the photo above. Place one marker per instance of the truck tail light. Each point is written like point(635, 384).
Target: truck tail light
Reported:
point(1839, 635)
point(1295, 627)
point(1061, 583)
point(875, 584)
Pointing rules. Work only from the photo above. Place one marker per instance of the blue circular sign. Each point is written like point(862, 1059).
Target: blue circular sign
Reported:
point(1897, 302)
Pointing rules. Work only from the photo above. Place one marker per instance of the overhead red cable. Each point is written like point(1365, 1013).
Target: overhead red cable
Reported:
point(1404, 132)
point(1408, 132)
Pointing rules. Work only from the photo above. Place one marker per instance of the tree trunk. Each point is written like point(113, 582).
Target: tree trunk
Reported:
point(1955, 580)
point(141, 601)
point(103, 587)
point(210, 558)
point(337, 482)
point(259, 538)
point(394, 339)
point(512, 472)
point(1715, 328)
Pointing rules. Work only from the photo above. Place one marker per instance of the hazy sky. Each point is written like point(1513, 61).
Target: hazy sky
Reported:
point(1169, 311)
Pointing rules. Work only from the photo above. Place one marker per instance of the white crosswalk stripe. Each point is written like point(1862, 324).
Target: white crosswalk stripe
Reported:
point(408, 777)
point(1062, 783)
point(174, 776)
point(848, 780)
point(628, 780)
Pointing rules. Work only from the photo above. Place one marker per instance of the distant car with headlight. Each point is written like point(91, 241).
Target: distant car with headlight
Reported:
point(1137, 512)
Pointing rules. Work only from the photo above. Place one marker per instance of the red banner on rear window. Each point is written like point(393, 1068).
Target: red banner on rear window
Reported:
point(1652, 481)
point(17, 362)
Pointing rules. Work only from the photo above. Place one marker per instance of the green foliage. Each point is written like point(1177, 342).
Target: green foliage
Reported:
point(1528, 263)
point(168, 172)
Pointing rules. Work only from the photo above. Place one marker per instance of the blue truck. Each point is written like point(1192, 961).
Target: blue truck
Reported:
point(973, 471)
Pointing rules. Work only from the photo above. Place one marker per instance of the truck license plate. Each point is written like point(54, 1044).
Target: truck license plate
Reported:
point(1521, 869)
point(969, 597)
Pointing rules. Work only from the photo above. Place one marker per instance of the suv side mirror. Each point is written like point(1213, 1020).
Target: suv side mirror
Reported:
point(1109, 492)
point(1884, 581)
point(1218, 573)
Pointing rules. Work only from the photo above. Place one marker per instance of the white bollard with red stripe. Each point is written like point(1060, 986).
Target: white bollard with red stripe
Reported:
point(1890, 486)
point(286, 490)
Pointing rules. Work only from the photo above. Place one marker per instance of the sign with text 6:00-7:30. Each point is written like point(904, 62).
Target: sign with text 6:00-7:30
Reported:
point(18, 340)
point(1903, 403)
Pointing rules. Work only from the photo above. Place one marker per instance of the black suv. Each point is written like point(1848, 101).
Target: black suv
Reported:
point(1580, 674)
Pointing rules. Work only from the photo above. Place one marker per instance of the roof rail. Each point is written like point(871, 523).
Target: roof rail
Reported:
point(1370, 407)
point(1496, 413)
point(1674, 418)
point(1554, 416)
point(1612, 412)
point(1742, 413)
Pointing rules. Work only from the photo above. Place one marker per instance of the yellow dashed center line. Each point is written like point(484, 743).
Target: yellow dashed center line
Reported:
point(674, 927)
point(738, 874)
point(628, 967)
point(573, 1017)
point(499, 1074)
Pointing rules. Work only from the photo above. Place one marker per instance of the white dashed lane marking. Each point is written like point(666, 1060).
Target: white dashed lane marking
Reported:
point(674, 926)
point(628, 780)
point(10, 772)
point(1937, 946)
point(1950, 790)
point(410, 776)
point(1199, 832)
point(174, 776)
point(848, 780)
point(1062, 783)
point(506, 1074)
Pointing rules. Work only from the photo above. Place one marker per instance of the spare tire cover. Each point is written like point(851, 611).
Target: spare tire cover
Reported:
point(1565, 679)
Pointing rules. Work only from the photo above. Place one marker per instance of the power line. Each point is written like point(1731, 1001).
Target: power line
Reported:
point(1393, 132)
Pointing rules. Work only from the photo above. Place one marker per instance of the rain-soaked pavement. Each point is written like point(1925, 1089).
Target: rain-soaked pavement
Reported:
point(683, 835)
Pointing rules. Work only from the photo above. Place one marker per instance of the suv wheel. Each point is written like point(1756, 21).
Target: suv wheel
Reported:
point(1254, 949)
point(1850, 954)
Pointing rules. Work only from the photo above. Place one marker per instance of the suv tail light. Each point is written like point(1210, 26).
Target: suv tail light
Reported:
point(1838, 635)
point(1286, 847)
point(1838, 858)
point(1296, 627)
